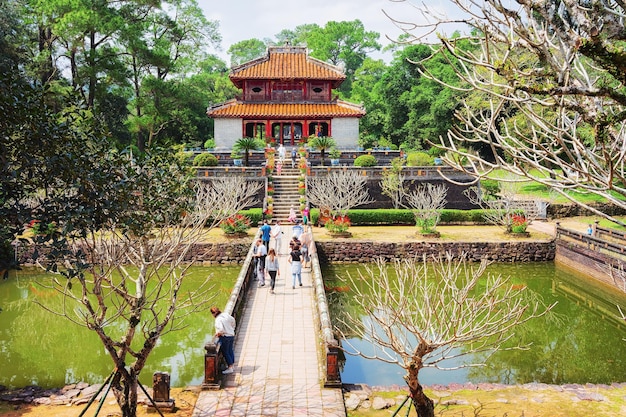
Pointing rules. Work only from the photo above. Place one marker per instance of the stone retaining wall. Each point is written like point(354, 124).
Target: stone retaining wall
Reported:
point(353, 251)
point(346, 250)
point(204, 253)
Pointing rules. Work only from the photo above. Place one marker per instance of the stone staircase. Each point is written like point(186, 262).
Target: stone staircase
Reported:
point(286, 193)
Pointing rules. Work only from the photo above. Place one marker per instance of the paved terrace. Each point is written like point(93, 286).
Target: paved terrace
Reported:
point(277, 355)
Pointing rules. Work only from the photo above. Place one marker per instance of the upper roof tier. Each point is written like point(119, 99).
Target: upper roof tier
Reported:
point(286, 63)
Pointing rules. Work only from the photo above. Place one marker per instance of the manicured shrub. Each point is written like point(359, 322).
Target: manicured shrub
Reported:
point(370, 217)
point(255, 215)
point(490, 187)
point(205, 160)
point(362, 217)
point(365, 161)
point(419, 159)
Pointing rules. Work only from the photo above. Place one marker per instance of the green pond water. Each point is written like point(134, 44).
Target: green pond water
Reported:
point(583, 341)
point(37, 347)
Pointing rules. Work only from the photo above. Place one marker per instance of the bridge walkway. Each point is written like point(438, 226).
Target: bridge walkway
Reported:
point(278, 368)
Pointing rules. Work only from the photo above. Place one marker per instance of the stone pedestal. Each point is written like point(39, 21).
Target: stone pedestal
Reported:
point(211, 367)
point(161, 393)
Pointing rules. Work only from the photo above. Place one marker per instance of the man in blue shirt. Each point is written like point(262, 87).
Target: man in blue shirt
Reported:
point(265, 230)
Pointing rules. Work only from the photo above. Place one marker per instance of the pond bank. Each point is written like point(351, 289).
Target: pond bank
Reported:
point(571, 400)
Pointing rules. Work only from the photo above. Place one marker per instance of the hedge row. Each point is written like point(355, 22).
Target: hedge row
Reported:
point(360, 217)
point(363, 217)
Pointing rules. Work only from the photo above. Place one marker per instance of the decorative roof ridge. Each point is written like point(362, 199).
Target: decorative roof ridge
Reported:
point(248, 64)
point(227, 103)
point(327, 65)
point(351, 105)
point(288, 49)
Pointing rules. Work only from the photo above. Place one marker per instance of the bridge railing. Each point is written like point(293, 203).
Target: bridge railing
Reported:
point(596, 243)
point(213, 357)
point(331, 345)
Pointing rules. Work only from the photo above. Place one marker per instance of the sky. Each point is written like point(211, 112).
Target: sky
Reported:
point(246, 19)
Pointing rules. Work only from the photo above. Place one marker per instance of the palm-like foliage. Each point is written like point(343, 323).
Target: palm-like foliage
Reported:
point(322, 143)
point(246, 145)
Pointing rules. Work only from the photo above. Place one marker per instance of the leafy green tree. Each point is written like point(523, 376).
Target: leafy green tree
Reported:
point(344, 43)
point(367, 89)
point(173, 48)
point(322, 144)
point(245, 51)
point(551, 85)
point(124, 276)
point(297, 36)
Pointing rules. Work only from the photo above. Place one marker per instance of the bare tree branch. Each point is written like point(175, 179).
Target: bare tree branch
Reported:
point(547, 88)
point(419, 315)
point(338, 191)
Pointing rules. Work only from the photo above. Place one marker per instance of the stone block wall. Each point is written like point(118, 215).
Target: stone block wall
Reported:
point(345, 250)
point(345, 131)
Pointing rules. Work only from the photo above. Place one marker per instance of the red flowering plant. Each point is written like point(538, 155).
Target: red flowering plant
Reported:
point(235, 224)
point(519, 223)
point(337, 224)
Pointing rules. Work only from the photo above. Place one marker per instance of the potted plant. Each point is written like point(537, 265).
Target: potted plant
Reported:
point(235, 155)
point(338, 226)
point(334, 154)
point(235, 226)
point(209, 145)
point(519, 224)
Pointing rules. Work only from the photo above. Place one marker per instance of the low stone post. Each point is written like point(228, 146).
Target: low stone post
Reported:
point(211, 367)
point(161, 393)
point(333, 378)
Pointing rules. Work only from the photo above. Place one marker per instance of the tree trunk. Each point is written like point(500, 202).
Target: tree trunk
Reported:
point(125, 391)
point(423, 405)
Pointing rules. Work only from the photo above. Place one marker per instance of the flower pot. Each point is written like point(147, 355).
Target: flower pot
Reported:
point(236, 235)
point(340, 234)
point(237, 162)
point(334, 162)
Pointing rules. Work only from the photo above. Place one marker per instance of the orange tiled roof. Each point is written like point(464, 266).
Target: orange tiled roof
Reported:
point(236, 109)
point(286, 62)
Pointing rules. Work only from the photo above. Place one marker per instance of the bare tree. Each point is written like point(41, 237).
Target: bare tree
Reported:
point(551, 88)
point(393, 183)
point(338, 191)
point(129, 283)
point(426, 202)
point(419, 315)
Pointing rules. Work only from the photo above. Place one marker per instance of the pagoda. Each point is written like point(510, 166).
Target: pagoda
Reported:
point(287, 97)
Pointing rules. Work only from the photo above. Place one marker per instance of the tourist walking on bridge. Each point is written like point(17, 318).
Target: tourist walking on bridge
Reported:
point(277, 234)
point(225, 331)
point(260, 254)
point(266, 229)
point(272, 268)
point(295, 259)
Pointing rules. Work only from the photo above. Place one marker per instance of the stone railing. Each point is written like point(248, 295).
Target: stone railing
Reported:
point(601, 256)
point(330, 343)
point(213, 357)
